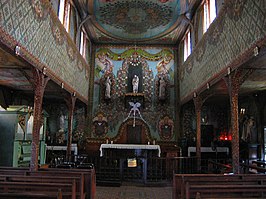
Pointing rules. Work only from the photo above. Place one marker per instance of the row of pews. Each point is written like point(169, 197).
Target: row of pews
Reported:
point(47, 183)
point(201, 186)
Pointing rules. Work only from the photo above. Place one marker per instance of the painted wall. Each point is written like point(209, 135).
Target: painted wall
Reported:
point(44, 42)
point(120, 65)
point(237, 29)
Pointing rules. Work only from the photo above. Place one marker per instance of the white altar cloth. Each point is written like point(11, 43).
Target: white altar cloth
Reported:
point(208, 149)
point(130, 146)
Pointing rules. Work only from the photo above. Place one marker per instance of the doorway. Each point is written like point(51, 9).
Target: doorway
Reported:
point(134, 134)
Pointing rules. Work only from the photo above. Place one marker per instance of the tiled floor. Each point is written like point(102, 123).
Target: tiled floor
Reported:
point(133, 192)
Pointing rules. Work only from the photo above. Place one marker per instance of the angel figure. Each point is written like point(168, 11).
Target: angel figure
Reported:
point(134, 110)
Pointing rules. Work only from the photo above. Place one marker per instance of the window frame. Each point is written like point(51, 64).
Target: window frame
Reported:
point(83, 43)
point(187, 45)
point(209, 13)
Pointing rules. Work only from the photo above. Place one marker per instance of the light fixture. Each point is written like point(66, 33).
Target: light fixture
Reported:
point(135, 58)
point(17, 50)
point(242, 111)
point(44, 70)
point(208, 86)
point(74, 94)
point(62, 85)
point(228, 71)
point(256, 51)
point(194, 94)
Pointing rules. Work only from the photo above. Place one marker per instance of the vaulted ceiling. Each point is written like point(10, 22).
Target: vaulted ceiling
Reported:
point(136, 21)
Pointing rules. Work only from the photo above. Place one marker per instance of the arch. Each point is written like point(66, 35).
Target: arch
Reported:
point(123, 132)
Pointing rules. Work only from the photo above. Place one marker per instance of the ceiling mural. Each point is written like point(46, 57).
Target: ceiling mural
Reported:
point(135, 19)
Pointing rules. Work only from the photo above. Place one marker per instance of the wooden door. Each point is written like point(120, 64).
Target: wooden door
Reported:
point(134, 134)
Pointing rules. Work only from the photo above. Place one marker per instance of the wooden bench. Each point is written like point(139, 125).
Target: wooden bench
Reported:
point(85, 178)
point(37, 190)
point(75, 181)
point(216, 185)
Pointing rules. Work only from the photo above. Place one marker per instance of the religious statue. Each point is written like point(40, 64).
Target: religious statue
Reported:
point(108, 88)
point(135, 84)
point(248, 128)
point(162, 87)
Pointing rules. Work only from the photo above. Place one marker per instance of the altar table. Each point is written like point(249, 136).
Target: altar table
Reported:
point(130, 146)
point(209, 149)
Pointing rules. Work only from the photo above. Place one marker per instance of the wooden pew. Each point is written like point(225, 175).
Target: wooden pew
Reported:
point(86, 182)
point(26, 178)
point(215, 185)
point(9, 189)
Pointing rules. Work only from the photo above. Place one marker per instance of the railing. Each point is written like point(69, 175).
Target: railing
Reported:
point(155, 169)
point(148, 169)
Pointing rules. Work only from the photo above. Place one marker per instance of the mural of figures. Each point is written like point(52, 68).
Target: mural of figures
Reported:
point(103, 64)
point(100, 125)
point(143, 72)
point(166, 128)
point(165, 64)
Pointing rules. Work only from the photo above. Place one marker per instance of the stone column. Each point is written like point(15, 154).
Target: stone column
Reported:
point(70, 101)
point(39, 83)
point(233, 82)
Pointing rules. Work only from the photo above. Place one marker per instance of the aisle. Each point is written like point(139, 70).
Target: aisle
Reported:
point(133, 192)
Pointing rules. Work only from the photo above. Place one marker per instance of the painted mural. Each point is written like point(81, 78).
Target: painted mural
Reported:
point(134, 83)
point(136, 19)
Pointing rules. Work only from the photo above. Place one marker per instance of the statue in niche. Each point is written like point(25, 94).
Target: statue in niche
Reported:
point(100, 125)
point(248, 130)
point(166, 128)
point(135, 84)
point(162, 88)
point(108, 88)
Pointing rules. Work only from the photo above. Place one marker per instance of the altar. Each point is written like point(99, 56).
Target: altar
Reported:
point(131, 160)
point(130, 147)
point(208, 150)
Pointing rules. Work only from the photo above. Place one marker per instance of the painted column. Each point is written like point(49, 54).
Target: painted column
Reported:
point(233, 82)
point(177, 101)
point(91, 91)
point(39, 83)
point(70, 101)
point(198, 104)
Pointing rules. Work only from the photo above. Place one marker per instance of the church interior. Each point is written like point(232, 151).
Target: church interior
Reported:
point(153, 93)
